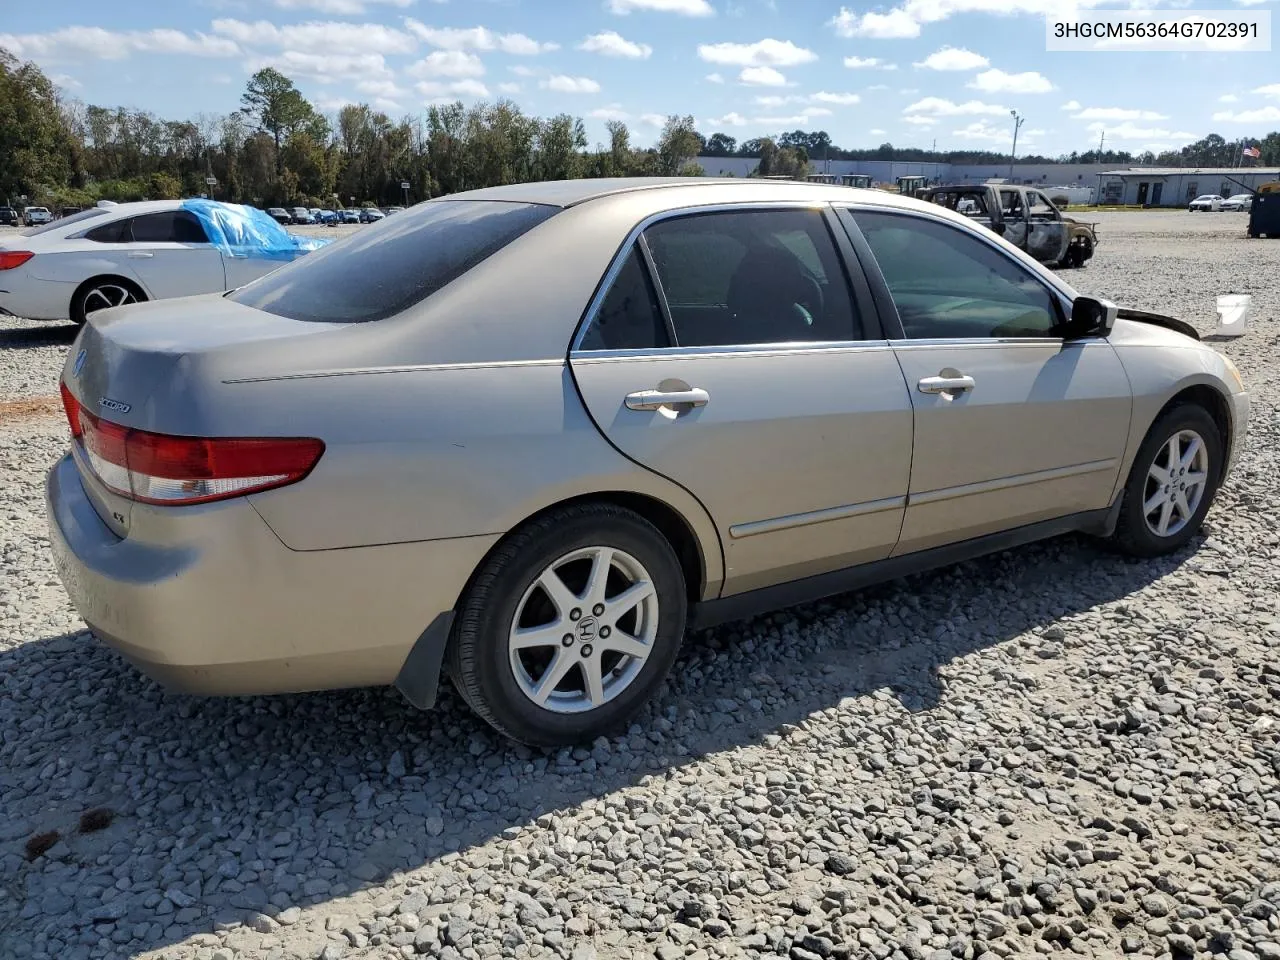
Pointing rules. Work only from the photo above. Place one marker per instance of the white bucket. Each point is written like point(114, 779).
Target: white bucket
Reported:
point(1233, 314)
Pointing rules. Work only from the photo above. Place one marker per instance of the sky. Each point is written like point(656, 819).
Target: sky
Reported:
point(909, 72)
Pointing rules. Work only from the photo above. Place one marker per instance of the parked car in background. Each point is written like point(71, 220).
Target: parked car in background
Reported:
point(391, 210)
point(9, 217)
point(370, 214)
point(108, 256)
point(301, 215)
point(280, 215)
point(1239, 202)
point(350, 216)
point(327, 217)
point(1024, 216)
point(739, 394)
point(1205, 203)
point(35, 216)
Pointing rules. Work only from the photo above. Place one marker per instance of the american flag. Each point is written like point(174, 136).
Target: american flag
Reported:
point(1252, 152)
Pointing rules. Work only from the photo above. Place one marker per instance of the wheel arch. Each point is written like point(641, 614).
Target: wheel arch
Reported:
point(99, 278)
point(1215, 404)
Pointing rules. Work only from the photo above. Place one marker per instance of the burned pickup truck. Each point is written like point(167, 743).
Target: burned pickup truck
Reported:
point(1024, 216)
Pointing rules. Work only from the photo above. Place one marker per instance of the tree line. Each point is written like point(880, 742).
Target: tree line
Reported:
point(278, 149)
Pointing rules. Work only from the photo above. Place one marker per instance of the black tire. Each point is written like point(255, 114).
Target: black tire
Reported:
point(1133, 535)
point(478, 658)
point(86, 289)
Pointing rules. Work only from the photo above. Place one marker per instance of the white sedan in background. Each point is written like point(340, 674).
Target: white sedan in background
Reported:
point(107, 256)
point(1205, 203)
point(1241, 201)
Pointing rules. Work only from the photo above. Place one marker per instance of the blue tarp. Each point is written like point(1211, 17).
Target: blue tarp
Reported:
point(241, 231)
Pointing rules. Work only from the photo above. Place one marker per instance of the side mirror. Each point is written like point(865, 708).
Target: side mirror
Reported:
point(1090, 317)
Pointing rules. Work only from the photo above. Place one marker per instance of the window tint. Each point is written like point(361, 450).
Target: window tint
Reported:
point(389, 267)
point(629, 317)
point(1041, 208)
point(755, 276)
point(947, 283)
point(115, 232)
point(175, 226)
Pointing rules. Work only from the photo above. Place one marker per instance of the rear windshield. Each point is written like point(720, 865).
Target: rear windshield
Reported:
point(389, 266)
point(66, 221)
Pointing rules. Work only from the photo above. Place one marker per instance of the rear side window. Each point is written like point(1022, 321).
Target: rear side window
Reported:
point(387, 268)
point(174, 226)
point(629, 317)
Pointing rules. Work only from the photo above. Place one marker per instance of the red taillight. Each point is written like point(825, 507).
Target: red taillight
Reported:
point(162, 469)
point(14, 258)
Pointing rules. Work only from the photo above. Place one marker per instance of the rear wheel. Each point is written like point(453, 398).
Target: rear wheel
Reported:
point(570, 626)
point(102, 293)
point(1172, 483)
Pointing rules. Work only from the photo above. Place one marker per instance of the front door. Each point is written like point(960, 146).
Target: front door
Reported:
point(1046, 233)
point(1156, 190)
point(729, 356)
point(1142, 193)
point(1012, 425)
point(1014, 215)
point(172, 256)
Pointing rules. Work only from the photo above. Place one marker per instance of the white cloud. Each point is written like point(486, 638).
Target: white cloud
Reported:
point(843, 99)
point(876, 132)
point(763, 53)
point(865, 63)
point(386, 89)
point(919, 121)
point(686, 8)
point(982, 130)
point(75, 43)
point(477, 38)
point(936, 106)
point(1270, 90)
point(1116, 113)
point(458, 88)
point(953, 58)
point(612, 44)
point(775, 100)
point(878, 86)
point(325, 67)
point(894, 25)
point(1257, 115)
point(1228, 98)
point(816, 112)
point(447, 63)
point(792, 121)
point(653, 119)
point(65, 81)
point(714, 78)
point(1128, 131)
point(563, 84)
point(997, 81)
point(762, 77)
point(1071, 105)
point(316, 36)
point(509, 88)
point(341, 8)
point(728, 120)
point(520, 70)
point(612, 112)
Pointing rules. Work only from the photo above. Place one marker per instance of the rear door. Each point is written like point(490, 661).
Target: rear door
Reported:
point(1012, 425)
point(1013, 212)
point(729, 353)
point(171, 254)
point(1047, 235)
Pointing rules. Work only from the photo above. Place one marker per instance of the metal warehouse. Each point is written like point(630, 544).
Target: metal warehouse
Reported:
point(1178, 186)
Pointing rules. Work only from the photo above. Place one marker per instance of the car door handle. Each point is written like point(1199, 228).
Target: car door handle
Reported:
point(140, 255)
point(946, 384)
point(653, 399)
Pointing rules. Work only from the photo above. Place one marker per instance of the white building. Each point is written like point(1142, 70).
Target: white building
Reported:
point(1177, 186)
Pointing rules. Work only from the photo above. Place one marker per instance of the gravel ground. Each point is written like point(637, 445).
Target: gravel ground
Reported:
point(1049, 751)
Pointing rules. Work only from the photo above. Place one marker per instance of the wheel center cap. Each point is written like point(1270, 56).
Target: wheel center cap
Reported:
point(586, 629)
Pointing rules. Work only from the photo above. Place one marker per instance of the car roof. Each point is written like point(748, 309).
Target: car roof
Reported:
point(569, 193)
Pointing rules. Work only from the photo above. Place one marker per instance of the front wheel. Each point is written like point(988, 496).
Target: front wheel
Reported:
point(570, 626)
point(1172, 483)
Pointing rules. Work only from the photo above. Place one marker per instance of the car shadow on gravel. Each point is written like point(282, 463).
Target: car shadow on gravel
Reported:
point(225, 807)
point(19, 338)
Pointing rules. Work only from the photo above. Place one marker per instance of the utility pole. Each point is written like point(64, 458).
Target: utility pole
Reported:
point(1101, 140)
point(1018, 121)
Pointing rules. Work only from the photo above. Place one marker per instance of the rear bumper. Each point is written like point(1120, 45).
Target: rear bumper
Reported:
point(226, 608)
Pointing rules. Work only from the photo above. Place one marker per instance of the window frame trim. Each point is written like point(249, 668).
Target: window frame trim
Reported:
point(860, 295)
point(1056, 290)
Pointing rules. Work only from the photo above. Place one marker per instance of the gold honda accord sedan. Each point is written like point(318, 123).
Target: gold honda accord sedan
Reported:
point(528, 436)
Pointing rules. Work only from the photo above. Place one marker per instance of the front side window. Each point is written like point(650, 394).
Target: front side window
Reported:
point(752, 277)
point(947, 283)
point(1011, 204)
point(383, 271)
point(171, 226)
point(1041, 208)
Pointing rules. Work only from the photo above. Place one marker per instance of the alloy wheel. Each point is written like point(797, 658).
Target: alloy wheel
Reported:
point(1176, 483)
point(583, 630)
point(107, 295)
